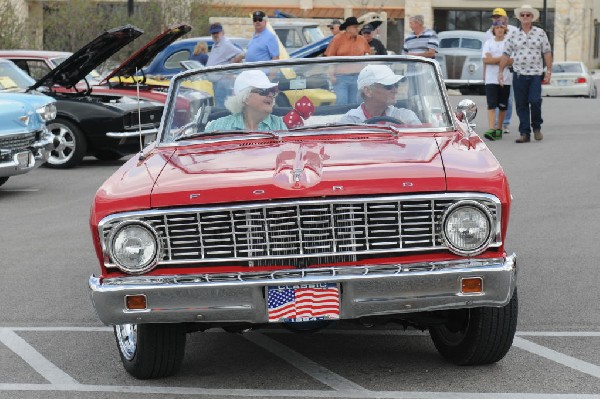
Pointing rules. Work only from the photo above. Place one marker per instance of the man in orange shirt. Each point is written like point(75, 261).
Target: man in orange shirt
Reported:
point(343, 76)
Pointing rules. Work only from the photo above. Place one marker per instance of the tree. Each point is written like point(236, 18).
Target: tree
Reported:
point(12, 34)
point(566, 25)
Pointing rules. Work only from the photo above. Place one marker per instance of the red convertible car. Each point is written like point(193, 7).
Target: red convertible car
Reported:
point(382, 208)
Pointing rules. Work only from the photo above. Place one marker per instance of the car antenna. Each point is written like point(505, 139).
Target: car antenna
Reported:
point(137, 85)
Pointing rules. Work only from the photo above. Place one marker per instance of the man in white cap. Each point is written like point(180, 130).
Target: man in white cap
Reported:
point(378, 87)
point(250, 105)
point(529, 48)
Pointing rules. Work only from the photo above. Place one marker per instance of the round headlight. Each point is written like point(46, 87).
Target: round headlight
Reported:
point(467, 228)
point(134, 247)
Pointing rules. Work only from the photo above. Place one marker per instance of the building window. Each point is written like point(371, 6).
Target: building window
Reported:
point(481, 20)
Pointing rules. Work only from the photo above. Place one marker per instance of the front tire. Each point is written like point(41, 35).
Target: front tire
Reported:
point(3, 180)
point(70, 145)
point(150, 351)
point(477, 336)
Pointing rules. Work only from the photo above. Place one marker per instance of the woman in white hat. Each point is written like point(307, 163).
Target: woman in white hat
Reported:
point(250, 105)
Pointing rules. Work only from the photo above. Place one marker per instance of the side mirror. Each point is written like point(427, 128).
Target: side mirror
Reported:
point(466, 109)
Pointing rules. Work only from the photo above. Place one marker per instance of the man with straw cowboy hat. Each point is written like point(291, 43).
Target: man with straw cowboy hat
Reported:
point(530, 49)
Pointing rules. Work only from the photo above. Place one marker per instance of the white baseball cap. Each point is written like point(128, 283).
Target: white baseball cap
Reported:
point(254, 78)
point(382, 74)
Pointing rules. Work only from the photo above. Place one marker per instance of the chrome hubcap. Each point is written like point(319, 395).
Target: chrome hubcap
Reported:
point(64, 144)
point(127, 339)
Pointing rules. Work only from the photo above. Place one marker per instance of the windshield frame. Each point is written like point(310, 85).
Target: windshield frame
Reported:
point(182, 76)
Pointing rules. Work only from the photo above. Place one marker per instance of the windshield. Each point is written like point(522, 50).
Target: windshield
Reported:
point(569, 68)
point(12, 77)
point(284, 97)
point(312, 34)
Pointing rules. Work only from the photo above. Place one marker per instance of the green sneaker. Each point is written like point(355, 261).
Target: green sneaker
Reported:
point(498, 135)
point(490, 134)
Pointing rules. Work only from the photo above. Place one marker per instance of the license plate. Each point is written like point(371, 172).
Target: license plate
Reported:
point(23, 159)
point(303, 302)
point(563, 82)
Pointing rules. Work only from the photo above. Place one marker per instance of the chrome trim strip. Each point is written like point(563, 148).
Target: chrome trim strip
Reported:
point(145, 132)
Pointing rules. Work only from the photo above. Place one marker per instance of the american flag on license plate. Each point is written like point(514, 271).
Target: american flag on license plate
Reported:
point(303, 302)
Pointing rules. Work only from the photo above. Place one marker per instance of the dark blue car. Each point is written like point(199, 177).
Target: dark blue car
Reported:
point(168, 62)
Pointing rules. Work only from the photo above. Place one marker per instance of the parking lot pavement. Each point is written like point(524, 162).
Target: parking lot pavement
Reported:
point(302, 365)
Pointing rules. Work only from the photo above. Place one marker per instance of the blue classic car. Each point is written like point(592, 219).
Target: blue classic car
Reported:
point(25, 143)
point(167, 63)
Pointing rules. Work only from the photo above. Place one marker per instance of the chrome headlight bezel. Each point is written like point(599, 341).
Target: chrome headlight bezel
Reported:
point(47, 112)
point(477, 207)
point(144, 267)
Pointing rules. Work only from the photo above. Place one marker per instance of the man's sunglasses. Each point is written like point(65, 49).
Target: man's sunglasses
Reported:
point(266, 92)
point(389, 87)
point(257, 19)
point(526, 15)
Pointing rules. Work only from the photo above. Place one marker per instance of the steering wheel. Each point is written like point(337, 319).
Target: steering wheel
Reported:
point(384, 118)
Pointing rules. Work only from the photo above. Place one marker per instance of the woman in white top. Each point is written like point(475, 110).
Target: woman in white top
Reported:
point(496, 94)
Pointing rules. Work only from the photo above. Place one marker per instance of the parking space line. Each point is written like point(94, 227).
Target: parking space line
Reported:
point(558, 334)
point(303, 364)
point(286, 393)
point(34, 359)
point(561, 358)
point(410, 332)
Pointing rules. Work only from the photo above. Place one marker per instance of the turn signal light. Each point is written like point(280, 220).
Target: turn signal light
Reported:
point(135, 302)
point(471, 285)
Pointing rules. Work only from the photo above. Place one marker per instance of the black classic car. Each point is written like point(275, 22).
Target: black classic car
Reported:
point(106, 125)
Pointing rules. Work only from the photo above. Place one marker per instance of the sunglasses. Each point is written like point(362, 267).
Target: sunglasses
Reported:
point(257, 19)
point(389, 87)
point(526, 15)
point(266, 92)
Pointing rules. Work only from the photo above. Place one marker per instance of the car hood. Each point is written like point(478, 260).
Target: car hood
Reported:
point(313, 49)
point(295, 168)
point(145, 54)
point(81, 63)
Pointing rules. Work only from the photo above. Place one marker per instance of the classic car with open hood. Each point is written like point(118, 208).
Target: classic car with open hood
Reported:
point(388, 209)
point(106, 125)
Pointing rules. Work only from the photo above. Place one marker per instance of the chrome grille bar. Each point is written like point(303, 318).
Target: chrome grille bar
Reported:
point(290, 230)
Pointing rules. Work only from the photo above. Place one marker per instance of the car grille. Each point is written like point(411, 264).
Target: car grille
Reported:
point(17, 142)
point(299, 233)
point(454, 66)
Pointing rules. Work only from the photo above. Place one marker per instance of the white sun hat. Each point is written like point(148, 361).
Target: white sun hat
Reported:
point(381, 74)
point(527, 8)
point(253, 78)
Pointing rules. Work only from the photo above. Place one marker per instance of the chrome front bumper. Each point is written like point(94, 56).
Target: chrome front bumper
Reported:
point(24, 161)
point(463, 82)
point(364, 291)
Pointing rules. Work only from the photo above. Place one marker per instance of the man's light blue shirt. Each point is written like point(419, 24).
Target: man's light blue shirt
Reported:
point(262, 47)
point(236, 122)
point(222, 52)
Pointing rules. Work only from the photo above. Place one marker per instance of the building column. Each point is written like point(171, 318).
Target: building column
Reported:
point(572, 31)
point(418, 7)
point(35, 24)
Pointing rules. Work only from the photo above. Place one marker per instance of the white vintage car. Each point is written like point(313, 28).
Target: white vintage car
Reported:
point(459, 55)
